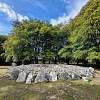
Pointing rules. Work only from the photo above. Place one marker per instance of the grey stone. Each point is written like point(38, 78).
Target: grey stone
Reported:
point(14, 64)
point(41, 77)
point(29, 78)
point(68, 76)
point(63, 76)
point(34, 76)
point(50, 72)
point(53, 76)
point(75, 76)
point(90, 71)
point(89, 75)
point(47, 76)
point(21, 77)
point(14, 74)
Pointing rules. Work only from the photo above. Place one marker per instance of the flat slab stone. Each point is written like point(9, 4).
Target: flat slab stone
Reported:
point(21, 77)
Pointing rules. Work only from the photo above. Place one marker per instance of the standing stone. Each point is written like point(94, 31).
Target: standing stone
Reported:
point(29, 78)
point(21, 77)
point(14, 64)
point(53, 76)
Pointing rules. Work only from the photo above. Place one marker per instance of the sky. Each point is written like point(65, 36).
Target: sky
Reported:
point(53, 11)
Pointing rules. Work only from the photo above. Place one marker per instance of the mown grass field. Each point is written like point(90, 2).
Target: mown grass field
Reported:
point(59, 90)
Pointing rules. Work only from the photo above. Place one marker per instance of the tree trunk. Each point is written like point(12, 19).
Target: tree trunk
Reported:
point(55, 60)
point(43, 60)
point(49, 62)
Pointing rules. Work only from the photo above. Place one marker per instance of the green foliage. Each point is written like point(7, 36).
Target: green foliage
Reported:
point(33, 40)
point(66, 52)
point(84, 34)
point(76, 42)
point(2, 39)
point(93, 56)
point(79, 54)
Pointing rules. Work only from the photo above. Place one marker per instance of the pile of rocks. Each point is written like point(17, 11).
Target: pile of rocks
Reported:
point(49, 72)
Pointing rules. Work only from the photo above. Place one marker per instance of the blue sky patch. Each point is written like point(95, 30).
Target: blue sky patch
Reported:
point(54, 11)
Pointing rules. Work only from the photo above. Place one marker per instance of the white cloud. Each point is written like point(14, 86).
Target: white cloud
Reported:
point(74, 12)
point(62, 19)
point(6, 9)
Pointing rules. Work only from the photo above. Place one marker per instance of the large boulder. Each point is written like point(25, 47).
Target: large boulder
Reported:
point(21, 77)
point(14, 74)
point(63, 76)
point(75, 76)
point(89, 75)
point(68, 76)
point(90, 71)
point(41, 77)
point(53, 76)
point(29, 78)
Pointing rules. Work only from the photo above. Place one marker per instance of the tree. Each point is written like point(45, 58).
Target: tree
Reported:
point(33, 40)
point(2, 39)
point(84, 35)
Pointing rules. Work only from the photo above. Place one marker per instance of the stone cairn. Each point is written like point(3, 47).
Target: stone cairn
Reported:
point(49, 72)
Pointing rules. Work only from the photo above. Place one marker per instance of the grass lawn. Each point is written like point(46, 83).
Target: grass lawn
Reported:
point(59, 90)
point(3, 71)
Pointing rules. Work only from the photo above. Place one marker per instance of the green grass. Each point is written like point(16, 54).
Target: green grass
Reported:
point(3, 71)
point(59, 90)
